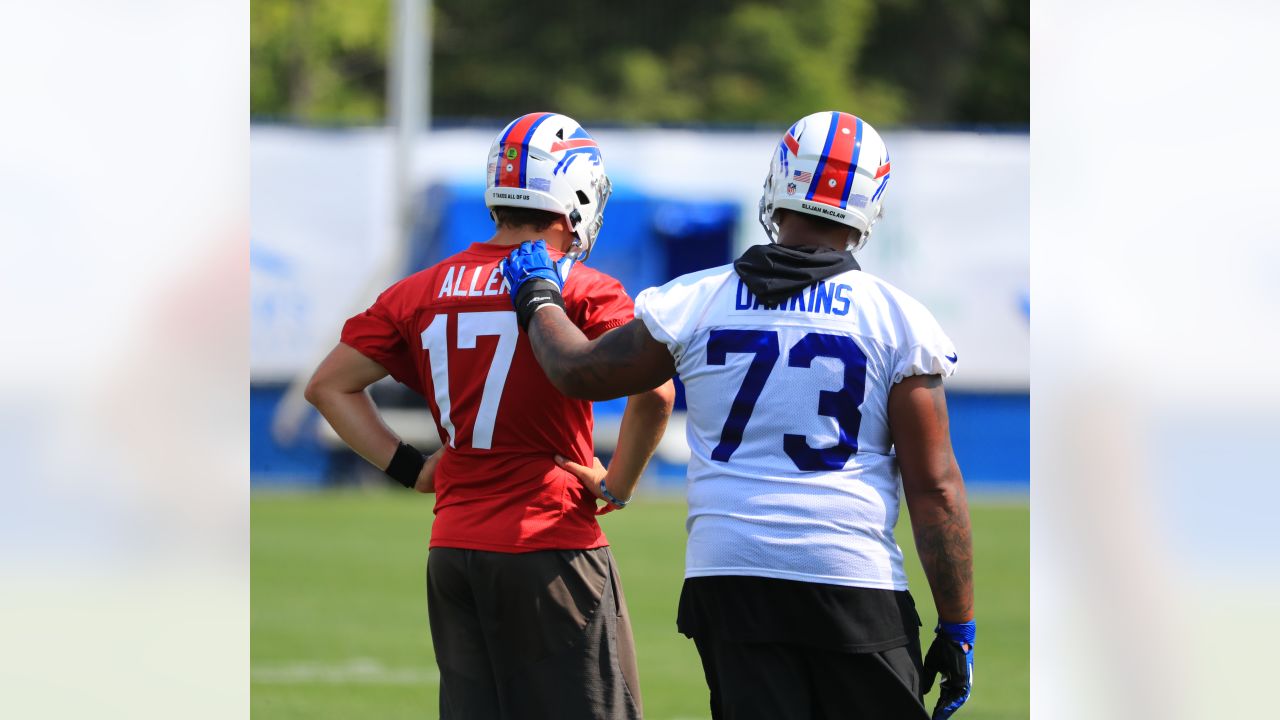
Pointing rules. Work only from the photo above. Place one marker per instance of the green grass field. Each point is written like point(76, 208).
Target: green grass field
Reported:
point(340, 624)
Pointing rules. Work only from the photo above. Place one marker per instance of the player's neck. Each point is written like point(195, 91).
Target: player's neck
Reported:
point(555, 239)
point(812, 240)
point(795, 230)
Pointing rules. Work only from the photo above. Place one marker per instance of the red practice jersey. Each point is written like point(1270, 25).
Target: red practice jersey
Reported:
point(449, 332)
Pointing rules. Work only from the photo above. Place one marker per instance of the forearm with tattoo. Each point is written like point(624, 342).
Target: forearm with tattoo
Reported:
point(945, 547)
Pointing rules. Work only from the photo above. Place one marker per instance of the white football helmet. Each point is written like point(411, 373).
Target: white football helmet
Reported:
point(546, 161)
point(832, 165)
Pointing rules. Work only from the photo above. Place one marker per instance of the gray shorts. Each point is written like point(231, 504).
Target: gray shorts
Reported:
point(531, 635)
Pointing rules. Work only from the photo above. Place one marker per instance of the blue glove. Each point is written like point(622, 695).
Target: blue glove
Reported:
point(951, 656)
point(534, 278)
point(527, 261)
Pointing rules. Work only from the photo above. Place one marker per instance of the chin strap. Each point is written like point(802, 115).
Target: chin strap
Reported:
point(570, 258)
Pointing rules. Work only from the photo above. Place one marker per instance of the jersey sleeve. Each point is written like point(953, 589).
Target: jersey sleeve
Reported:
point(376, 334)
point(599, 304)
point(926, 349)
point(670, 312)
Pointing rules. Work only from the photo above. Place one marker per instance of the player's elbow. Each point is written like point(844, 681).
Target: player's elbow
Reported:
point(947, 489)
point(659, 400)
point(569, 381)
point(592, 383)
point(579, 384)
point(941, 487)
point(578, 379)
point(315, 392)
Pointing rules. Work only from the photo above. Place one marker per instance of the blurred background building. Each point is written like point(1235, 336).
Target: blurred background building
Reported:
point(372, 122)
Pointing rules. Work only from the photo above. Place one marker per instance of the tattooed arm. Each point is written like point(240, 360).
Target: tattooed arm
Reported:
point(625, 361)
point(935, 493)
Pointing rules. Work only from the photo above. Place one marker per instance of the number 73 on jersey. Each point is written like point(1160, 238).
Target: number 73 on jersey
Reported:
point(841, 404)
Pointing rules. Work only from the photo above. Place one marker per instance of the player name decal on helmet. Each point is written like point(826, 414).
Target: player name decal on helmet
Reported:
point(823, 209)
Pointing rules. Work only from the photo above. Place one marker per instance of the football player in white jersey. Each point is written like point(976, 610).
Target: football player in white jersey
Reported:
point(814, 395)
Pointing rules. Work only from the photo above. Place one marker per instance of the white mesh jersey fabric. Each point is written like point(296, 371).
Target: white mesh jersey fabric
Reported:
point(773, 489)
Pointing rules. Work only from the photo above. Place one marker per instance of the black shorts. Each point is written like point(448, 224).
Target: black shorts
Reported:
point(781, 649)
point(531, 636)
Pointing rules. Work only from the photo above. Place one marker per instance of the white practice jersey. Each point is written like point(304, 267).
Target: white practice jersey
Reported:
point(793, 474)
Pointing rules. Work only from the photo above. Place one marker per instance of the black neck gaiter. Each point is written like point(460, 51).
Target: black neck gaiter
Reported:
point(776, 272)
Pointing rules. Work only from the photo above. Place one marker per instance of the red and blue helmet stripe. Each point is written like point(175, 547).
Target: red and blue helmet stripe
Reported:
point(833, 178)
point(516, 137)
point(882, 172)
point(791, 140)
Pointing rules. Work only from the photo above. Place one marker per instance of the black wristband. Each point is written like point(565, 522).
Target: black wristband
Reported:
point(532, 295)
point(406, 464)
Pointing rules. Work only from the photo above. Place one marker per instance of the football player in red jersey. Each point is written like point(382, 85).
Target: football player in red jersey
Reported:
point(526, 607)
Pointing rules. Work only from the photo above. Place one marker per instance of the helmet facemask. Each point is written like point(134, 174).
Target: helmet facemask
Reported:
point(584, 239)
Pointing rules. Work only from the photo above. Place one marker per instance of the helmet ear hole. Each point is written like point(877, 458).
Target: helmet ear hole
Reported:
point(582, 198)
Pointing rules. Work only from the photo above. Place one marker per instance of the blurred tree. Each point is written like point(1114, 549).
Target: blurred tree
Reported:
point(722, 61)
point(955, 61)
point(707, 61)
point(318, 60)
